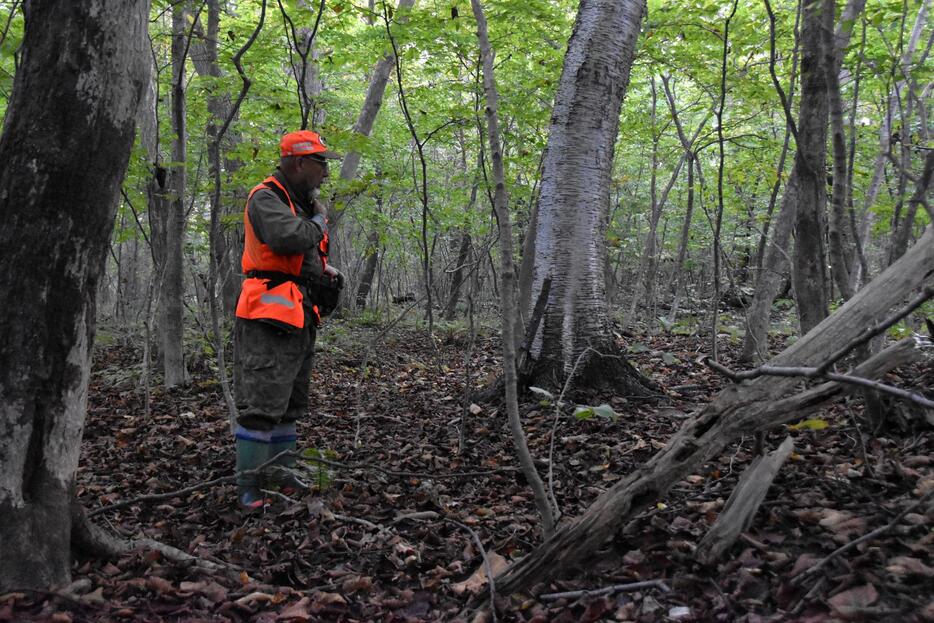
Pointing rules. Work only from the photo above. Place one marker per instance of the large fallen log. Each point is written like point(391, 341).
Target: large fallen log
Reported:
point(740, 409)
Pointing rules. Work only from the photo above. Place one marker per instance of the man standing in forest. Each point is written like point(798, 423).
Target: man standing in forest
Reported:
point(289, 286)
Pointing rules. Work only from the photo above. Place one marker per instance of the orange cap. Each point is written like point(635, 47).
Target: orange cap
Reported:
point(305, 143)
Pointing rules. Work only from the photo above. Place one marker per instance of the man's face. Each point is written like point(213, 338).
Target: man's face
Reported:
point(311, 171)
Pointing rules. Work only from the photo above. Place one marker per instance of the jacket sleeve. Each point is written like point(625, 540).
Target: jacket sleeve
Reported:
point(275, 225)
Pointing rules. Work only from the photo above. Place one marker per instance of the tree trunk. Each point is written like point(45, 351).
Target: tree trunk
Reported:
point(839, 230)
point(809, 266)
point(367, 117)
point(173, 283)
point(739, 410)
point(68, 133)
point(775, 258)
point(570, 244)
point(225, 249)
point(369, 270)
point(885, 129)
point(457, 278)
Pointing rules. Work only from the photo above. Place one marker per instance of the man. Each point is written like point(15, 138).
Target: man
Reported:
point(288, 287)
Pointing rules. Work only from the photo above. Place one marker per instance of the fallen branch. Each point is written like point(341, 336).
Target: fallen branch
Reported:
point(91, 538)
point(607, 590)
point(362, 522)
point(819, 372)
point(743, 503)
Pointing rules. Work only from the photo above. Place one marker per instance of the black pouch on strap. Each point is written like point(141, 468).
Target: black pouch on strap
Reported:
point(325, 293)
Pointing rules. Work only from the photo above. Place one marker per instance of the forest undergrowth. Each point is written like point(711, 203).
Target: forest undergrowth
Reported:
point(387, 534)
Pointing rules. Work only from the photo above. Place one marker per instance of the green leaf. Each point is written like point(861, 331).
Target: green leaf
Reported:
point(605, 411)
point(670, 359)
point(809, 424)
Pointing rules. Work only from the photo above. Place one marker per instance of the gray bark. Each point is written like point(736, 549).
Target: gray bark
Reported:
point(68, 130)
point(776, 256)
point(570, 244)
point(741, 507)
point(369, 269)
point(172, 325)
point(838, 226)
point(809, 266)
point(885, 129)
point(902, 225)
point(226, 249)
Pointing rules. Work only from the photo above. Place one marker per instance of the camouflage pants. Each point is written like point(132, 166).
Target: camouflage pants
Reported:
point(272, 370)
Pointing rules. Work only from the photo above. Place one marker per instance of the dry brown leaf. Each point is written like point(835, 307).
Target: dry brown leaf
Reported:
point(476, 582)
point(329, 599)
point(354, 583)
point(297, 612)
point(841, 522)
point(95, 597)
point(253, 598)
point(804, 561)
point(906, 565)
point(850, 603)
point(159, 585)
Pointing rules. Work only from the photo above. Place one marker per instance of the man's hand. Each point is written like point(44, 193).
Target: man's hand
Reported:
point(317, 207)
point(336, 277)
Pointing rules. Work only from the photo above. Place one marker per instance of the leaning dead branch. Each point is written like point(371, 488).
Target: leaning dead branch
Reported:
point(759, 405)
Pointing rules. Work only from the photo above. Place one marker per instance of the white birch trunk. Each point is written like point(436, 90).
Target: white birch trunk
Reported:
point(574, 202)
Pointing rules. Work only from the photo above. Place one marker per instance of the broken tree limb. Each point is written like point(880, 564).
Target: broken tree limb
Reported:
point(815, 372)
point(739, 409)
point(743, 503)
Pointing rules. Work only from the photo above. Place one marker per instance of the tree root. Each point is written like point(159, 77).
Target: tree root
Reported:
point(92, 540)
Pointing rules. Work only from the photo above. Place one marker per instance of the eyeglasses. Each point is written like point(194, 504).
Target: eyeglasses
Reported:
point(322, 161)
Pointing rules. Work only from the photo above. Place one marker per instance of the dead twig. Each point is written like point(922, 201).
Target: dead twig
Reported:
point(607, 590)
point(821, 372)
point(487, 568)
point(362, 522)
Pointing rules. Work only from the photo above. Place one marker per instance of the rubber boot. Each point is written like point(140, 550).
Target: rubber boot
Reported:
point(285, 437)
point(251, 453)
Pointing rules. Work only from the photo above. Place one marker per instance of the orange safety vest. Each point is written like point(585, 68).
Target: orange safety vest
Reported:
point(263, 298)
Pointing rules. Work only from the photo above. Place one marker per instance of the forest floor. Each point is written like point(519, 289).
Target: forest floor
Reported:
point(347, 551)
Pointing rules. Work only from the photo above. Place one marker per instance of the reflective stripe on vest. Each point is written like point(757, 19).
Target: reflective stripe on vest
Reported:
point(283, 302)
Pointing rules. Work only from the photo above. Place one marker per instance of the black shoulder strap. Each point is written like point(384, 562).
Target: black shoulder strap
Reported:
point(277, 191)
